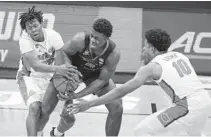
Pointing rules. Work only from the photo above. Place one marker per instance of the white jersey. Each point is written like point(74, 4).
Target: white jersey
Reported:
point(178, 78)
point(45, 52)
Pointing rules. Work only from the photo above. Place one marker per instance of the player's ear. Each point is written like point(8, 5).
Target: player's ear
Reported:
point(42, 25)
point(153, 49)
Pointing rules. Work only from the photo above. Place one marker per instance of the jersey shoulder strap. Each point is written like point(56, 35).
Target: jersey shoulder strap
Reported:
point(110, 49)
point(86, 40)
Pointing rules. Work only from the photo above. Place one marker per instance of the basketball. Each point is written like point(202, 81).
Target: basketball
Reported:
point(64, 85)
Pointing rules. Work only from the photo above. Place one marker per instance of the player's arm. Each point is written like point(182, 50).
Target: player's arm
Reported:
point(29, 54)
point(36, 64)
point(71, 47)
point(151, 70)
point(106, 73)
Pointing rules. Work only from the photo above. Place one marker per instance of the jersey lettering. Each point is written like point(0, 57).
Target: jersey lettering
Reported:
point(182, 67)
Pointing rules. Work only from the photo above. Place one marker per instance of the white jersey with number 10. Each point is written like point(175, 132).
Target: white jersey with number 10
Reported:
point(178, 78)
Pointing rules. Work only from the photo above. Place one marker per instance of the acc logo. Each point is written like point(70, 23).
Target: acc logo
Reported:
point(187, 41)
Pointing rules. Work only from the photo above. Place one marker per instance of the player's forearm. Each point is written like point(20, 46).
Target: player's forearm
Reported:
point(41, 67)
point(110, 96)
point(116, 93)
point(93, 87)
point(59, 58)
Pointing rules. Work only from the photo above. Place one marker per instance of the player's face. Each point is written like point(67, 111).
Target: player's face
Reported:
point(98, 39)
point(34, 29)
point(147, 52)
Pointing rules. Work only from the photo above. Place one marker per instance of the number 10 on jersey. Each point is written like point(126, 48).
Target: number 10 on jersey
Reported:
point(182, 67)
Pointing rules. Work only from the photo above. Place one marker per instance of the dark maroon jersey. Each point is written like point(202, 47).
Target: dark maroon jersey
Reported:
point(90, 66)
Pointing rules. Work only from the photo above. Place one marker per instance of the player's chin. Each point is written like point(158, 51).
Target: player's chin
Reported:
point(146, 62)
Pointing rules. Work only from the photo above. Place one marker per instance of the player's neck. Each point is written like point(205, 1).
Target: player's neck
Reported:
point(160, 53)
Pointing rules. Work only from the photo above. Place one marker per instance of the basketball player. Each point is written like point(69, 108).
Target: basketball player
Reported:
point(96, 57)
point(38, 48)
point(174, 73)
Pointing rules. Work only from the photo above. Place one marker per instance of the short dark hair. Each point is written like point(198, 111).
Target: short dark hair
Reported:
point(30, 15)
point(103, 26)
point(159, 39)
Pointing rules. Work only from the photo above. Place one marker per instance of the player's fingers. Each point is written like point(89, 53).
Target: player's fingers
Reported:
point(73, 79)
point(72, 70)
point(79, 73)
point(71, 112)
point(70, 66)
point(74, 111)
point(71, 105)
point(60, 98)
point(69, 109)
point(63, 97)
point(68, 76)
point(75, 76)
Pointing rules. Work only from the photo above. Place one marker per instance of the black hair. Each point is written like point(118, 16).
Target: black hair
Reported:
point(159, 39)
point(103, 26)
point(30, 15)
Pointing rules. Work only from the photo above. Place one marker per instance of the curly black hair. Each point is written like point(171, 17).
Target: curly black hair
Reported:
point(30, 15)
point(103, 26)
point(159, 39)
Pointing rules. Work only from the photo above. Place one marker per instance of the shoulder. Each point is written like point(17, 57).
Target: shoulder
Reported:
point(26, 45)
point(114, 57)
point(147, 72)
point(78, 41)
point(113, 44)
point(155, 70)
point(25, 39)
point(51, 32)
point(115, 51)
point(76, 44)
point(79, 37)
point(115, 54)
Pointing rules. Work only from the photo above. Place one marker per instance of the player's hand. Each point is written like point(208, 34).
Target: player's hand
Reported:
point(75, 108)
point(73, 69)
point(65, 97)
point(67, 71)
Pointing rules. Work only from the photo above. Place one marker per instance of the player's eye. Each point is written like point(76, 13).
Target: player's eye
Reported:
point(35, 26)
